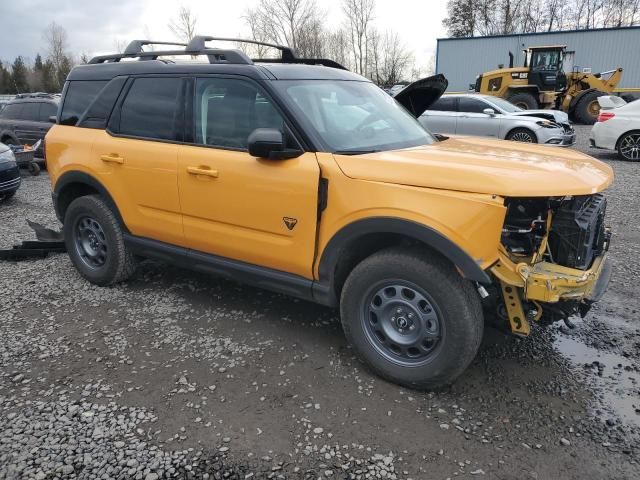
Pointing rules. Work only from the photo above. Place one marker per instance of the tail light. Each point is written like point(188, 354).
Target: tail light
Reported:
point(604, 116)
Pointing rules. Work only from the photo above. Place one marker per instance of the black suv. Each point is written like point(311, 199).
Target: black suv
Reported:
point(26, 119)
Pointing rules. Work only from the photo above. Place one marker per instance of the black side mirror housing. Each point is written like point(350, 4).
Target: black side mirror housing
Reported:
point(269, 143)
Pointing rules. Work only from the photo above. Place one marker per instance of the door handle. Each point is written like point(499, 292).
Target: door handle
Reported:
point(112, 158)
point(203, 171)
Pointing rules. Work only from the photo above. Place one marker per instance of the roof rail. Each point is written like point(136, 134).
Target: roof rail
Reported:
point(135, 46)
point(216, 55)
point(198, 43)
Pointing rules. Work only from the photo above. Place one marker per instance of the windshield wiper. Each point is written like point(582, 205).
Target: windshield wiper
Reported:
point(355, 152)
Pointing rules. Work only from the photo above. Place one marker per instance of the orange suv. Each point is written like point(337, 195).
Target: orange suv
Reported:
point(298, 176)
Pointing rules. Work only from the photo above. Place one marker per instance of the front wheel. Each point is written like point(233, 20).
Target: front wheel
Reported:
point(523, 135)
point(629, 146)
point(411, 317)
point(93, 238)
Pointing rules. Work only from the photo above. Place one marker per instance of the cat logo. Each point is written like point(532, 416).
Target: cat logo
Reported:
point(290, 222)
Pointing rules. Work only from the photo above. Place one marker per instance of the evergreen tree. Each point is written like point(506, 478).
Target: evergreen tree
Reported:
point(63, 71)
point(49, 82)
point(19, 75)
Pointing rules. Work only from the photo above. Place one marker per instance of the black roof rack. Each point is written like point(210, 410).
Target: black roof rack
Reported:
point(216, 55)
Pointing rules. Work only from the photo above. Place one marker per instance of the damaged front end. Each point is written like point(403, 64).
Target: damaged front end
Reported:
point(553, 258)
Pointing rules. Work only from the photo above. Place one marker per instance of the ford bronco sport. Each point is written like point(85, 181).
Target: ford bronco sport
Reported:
point(297, 176)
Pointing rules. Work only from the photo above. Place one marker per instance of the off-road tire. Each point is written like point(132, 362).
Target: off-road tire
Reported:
point(526, 101)
point(584, 112)
point(452, 297)
point(119, 263)
point(629, 146)
point(519, 135)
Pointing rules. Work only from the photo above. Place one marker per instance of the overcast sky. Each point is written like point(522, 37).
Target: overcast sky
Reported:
point(94, 26)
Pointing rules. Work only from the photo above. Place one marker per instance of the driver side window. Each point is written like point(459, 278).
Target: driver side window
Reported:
point(228, 110)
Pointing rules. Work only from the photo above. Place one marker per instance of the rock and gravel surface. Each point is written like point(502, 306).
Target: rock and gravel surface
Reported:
point(178, 375)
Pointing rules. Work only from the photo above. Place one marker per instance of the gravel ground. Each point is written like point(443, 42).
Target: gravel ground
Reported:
point(175, 374)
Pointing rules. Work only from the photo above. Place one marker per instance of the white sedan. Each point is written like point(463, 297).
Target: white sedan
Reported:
point(618, 127)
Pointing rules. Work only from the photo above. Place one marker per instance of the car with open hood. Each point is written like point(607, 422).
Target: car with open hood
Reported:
point(487, 116)
point(295, 175)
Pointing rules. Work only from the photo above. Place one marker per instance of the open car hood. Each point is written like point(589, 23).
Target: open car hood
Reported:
point(420, 95)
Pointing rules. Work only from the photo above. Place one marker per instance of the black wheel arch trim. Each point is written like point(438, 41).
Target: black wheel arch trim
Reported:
point(324, 288)
point(81, 178)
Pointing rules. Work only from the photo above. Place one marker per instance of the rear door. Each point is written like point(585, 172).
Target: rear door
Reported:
point(472, 120)
point(137, 156)
point(442, 116)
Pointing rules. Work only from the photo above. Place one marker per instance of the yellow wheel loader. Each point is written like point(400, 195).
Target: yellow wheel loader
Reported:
point(548, 81)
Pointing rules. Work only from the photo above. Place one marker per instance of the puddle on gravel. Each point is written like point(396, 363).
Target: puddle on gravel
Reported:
point(616, 387)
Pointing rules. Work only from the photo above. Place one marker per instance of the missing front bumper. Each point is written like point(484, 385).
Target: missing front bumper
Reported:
point(548, 283)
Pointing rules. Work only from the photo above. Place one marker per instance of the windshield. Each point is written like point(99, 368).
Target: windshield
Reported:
point(353, 117)
point(504, 105)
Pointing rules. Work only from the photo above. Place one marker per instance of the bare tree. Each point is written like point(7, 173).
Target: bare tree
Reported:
point(359, 19)
point(336, 47)
point(56, 39)
point(390, 60)
point(184, 24)
point(296, 23)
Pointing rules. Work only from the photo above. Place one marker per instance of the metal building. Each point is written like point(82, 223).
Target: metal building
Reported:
point(600, 50)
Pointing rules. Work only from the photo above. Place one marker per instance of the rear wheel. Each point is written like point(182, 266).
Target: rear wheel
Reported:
point(629, 146)
point(526, 101)
point(523, 135)
point(411, 317)
point(95, 243)
point(34, 169)
point(587, 109)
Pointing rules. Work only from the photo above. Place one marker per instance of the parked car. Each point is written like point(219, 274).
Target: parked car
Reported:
point(486, 116)
point(298, 176)
point(26, 119)
point(618, 127)
point(9, 173)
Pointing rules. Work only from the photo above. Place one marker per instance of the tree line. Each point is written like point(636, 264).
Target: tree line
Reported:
point(466, 18)
point(45, 74)
point(357, 43)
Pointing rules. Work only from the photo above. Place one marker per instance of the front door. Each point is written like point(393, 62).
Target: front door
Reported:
point(473, 121)
point(442, 116)
point(137, 158)
point(263, 212)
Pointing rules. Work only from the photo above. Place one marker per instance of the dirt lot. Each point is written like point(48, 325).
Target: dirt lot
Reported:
point(178, 374)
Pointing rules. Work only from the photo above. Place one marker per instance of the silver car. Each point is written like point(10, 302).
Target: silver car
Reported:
point(487, 116)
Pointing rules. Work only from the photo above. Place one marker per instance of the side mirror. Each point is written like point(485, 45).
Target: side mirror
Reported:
point(489, 111)
point(269, 143)
point(53, 119)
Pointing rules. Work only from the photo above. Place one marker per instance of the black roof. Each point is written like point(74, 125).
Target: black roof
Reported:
point(261, 71)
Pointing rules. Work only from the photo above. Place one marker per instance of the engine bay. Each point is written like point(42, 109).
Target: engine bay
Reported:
point(567, 231)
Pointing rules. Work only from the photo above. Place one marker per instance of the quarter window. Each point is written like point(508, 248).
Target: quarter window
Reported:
point(78, 97)
point(227, 111)
point(151, 110)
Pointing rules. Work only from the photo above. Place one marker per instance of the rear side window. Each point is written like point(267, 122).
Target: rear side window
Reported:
point(472, 105)
point(78, 97)
point(150, 109)
point(444, 104)
point(47, 110)
point(30, 112)
point(13, 111)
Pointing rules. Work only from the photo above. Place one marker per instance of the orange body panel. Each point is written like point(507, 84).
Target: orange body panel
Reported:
point(240, 212)
point(230, 204)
